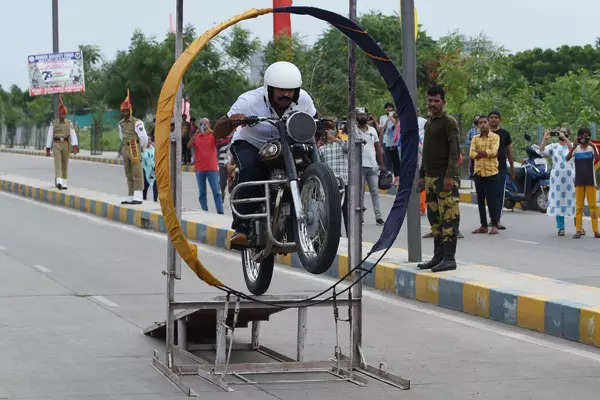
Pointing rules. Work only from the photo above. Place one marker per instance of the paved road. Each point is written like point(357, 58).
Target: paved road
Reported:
point(529, 245)
point(77, 290)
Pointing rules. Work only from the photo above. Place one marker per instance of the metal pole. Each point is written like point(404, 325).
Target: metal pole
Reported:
point(55, 47)
point(354, 199)
point(173, 259)
point(409, 70)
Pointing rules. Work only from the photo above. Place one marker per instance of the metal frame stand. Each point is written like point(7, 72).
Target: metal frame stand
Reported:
point(211, 358)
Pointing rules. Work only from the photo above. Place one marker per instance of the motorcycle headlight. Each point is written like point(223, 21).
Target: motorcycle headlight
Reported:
point(301, 127)
point(270, 151)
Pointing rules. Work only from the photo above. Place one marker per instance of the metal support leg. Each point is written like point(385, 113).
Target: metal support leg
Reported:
point(182, 333)
point(302, 312)
point(255, 343)
point(221, 340)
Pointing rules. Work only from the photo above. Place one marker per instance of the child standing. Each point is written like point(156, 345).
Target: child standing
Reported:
point(585, 154)
point(148, 167)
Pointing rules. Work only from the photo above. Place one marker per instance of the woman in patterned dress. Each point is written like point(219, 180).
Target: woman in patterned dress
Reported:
point(562, 179)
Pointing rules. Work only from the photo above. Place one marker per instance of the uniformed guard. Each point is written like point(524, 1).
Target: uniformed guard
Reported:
point(61, 136)
point(133, 139)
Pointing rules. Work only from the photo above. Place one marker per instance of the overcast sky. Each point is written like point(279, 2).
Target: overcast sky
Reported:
point(515, 24)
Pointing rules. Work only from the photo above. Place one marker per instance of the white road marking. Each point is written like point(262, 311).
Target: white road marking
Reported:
point(523, 241)
point(105, 301)
point(43, 269)
point(484, 325)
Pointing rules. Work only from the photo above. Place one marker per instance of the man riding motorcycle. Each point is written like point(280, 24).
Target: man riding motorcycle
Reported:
point(281, 94)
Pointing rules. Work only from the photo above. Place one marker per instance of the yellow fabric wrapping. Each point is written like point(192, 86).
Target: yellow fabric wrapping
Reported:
point(164, 112)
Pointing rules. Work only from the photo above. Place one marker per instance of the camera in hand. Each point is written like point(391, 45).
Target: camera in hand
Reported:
point(554, 133)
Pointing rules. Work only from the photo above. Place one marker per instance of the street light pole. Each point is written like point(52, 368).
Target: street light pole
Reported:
point(354, 198)
point(409, 70)
point(173, 259)
point(55, 47)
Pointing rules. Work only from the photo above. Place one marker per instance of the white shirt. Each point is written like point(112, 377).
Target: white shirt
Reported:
point(140, 130)
point(255, 102)
point(50, 137)
point(369, 158)
point(421, 123)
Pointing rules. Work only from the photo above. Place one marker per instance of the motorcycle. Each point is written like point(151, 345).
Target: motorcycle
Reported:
point(531, 184)
point(300, 210)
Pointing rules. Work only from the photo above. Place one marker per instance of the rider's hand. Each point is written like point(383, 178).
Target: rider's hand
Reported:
point(448, 184)
point(420, 185)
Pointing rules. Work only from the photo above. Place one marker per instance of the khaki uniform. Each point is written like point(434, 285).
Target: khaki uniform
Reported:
point(61, 137)
point(131, 156)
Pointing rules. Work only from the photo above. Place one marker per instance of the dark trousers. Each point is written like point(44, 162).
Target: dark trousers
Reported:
point(392, 159)
point(501, 183)
point(250, 169)
point(345, 208)
point(147, 185)
point(487, 188)
point(186, 154)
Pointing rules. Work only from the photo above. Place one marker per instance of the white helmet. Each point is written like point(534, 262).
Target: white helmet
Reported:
point(282, 75)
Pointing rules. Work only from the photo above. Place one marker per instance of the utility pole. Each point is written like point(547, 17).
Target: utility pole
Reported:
point(173, 259)
point(55, 47)
point(354, 204)
point(409, 70)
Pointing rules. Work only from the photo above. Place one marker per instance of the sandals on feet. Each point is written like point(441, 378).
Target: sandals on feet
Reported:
point(561, 232)
point(483, 229)
point(578, 235)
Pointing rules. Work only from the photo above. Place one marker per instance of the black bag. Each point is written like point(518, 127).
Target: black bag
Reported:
point(385, 180)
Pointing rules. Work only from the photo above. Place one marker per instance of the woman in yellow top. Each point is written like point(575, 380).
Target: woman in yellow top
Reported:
point(484, 150)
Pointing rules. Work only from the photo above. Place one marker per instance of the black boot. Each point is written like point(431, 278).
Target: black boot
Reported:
point(448, 263)
point(438, 254)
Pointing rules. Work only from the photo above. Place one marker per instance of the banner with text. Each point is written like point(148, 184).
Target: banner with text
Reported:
point(56, 73)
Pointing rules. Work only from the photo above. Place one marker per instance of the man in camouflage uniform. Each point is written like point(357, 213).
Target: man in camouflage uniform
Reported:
point(133, 140)
point(439, 178)
point(61, 135)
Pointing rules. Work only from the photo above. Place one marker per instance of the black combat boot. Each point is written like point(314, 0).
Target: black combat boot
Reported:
point(448, 262)
point(438, 254)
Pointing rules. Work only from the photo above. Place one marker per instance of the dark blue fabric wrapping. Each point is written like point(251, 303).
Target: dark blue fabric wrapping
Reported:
point(409, 138)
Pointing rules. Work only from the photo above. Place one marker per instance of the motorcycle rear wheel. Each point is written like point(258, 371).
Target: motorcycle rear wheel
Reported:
point(257, 274)
point(318, 237)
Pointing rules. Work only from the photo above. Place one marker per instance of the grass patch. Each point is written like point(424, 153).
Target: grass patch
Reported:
point(110, 140)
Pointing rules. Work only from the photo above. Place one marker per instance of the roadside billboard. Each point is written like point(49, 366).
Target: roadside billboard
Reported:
point(55, 73)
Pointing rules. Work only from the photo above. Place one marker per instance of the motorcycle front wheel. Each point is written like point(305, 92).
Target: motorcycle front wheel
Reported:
point(318, 236)
point(257, 274)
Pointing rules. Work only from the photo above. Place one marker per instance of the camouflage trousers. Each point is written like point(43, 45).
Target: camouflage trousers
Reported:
point(442, 208)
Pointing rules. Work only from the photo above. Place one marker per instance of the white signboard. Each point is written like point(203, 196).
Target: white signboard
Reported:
point(56, 73)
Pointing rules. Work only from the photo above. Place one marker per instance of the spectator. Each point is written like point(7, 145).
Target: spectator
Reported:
point(185, 138)
point(205, 164)
point(223, 160)
point(468, 137)
point(504, 153)
point(585, 154)
point(421, 124)
point(371, 160)
point(148, 167)
point(562, 179)
point(484, 150)
point(438, 175)
point(334, 152)
point(387, 126)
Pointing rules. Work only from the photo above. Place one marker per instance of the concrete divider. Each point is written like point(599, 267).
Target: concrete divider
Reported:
point(542, 304)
